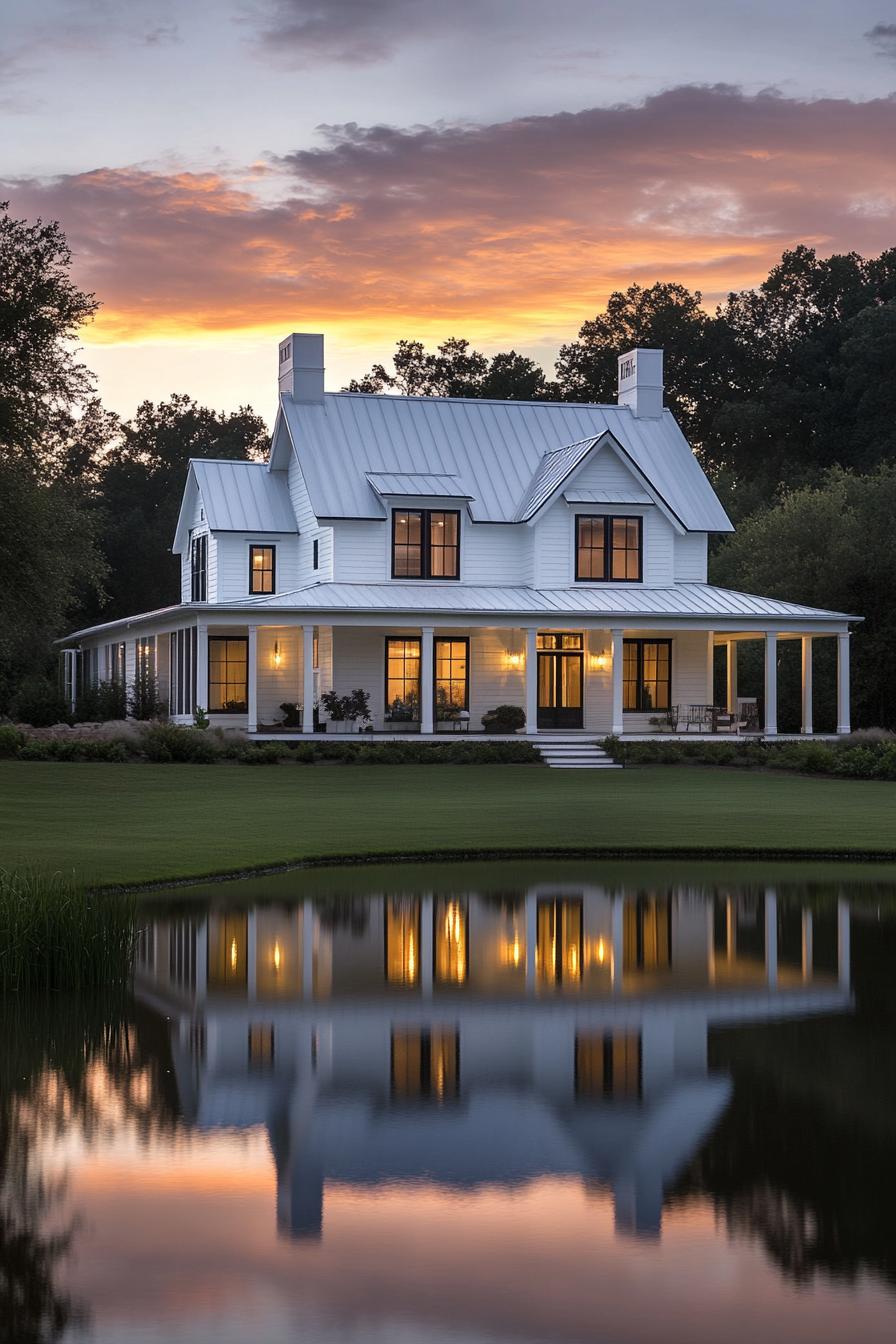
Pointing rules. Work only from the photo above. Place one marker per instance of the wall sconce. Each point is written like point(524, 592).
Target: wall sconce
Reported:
point(600, 662)
point(514, 660)
point(278, 656)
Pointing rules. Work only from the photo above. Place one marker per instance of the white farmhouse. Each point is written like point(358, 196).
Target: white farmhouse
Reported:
point(448, 556)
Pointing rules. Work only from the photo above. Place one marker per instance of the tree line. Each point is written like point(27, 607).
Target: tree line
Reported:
point(787, 393)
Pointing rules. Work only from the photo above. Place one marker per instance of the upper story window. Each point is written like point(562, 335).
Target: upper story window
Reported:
point(262, 560)
point(315, 554)
point(608, 549)
point(199, 568)
point(425, 544)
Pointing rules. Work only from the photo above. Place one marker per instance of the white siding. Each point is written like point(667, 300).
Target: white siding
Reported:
point(232, 554)
point(361, 550)
point(283, 683)
point(496, 553)
point(309, 531)
point(689, 673)
point(690, 557)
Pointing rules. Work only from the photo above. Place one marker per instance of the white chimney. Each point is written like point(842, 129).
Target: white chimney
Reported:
point(300, 371)
point(640, 382)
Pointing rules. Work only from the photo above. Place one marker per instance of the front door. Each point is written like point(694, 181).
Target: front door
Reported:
point(560, 681)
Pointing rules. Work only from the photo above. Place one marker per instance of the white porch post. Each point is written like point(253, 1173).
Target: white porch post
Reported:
point(806, 674)
point(426, 679)
point(771, 684)
point(731, 675)
point(616, 723)
point(771, 937)
point(426, 945)
point(617, 935)
point(710, 667)
point(307, 678)
point(531, 679)
point(308, 949)
point(843, 683)
point(252, 676)
point(202, 666)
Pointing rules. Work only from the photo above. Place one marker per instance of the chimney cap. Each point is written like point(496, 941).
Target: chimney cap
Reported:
point(640, 381)
point(300, 365)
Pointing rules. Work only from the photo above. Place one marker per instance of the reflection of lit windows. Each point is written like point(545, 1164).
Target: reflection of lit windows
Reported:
point(451, 941)
point(403, 942)
point(425, 1065)
point(261, 1045)
point(558, 948)
point(647, 933)
point(228, 945)
point(608, 1065)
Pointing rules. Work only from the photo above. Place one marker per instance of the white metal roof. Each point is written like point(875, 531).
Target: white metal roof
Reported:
point(633, 496)
point(244, 496)
point(682, 599)
point(418, 484)
point(496, 449)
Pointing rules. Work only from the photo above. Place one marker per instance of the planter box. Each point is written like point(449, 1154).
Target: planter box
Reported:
point(402, 725)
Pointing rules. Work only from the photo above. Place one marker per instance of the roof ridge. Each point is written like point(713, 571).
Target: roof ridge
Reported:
point(482, 401)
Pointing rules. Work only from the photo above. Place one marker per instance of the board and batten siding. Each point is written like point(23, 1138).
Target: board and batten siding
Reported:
point(309, 530)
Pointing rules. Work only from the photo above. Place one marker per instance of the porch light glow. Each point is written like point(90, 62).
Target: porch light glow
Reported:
point(600, 662)
point(514, 660)
point(233, 955)
point(278, 655)
point(277, 958)
point(601, 951)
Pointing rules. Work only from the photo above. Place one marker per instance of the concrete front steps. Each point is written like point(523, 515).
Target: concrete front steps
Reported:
point(574, 753)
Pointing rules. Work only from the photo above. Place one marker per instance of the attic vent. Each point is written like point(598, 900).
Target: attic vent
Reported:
point(285, 352)
point(300, 371)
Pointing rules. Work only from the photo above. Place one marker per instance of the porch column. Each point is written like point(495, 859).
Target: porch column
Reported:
point(807, 952)
point(806, 673)
point(202, 666)
point(771, 937)
point(730, 929)
point(251, 955)
point(616, 723)
point(426, 679)
point(731, 675)
point(843, 683)
point(710, 667)
point(252, 678)
point(307, 678)
point(771, 683)
point(843, 950)
point(531, 679)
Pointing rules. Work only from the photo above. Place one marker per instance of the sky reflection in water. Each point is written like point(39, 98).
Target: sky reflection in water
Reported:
point(551, 1103)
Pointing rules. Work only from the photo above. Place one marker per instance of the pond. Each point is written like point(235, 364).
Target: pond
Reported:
point(552, 1101)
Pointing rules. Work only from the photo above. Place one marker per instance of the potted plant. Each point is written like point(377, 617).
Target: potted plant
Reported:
point(357, 708)
point(504, 719)
point(449, 713)
point(335, 707)
point(404, 713)
point(292, 715)
point(346, 711)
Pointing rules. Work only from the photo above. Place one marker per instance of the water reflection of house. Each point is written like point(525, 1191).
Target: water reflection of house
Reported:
point(465, 1040)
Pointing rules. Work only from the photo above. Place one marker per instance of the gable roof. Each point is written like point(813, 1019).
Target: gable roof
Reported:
point(496, 450)
point(237, 497)
point(416, 484)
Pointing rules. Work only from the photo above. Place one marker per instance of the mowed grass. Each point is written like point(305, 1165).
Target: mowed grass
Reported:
point(141, 823)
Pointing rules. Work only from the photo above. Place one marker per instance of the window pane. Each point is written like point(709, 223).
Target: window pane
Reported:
point(228, 664)
point(403, 675)
point(407, 551)
point(626, 560)
point(451, 676)
point(590, 548)
point(443, 547)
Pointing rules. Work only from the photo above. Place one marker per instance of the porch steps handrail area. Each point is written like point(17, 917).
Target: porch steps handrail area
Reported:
point(574, 753)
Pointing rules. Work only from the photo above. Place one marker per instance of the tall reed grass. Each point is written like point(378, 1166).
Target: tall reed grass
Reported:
point(57, 935)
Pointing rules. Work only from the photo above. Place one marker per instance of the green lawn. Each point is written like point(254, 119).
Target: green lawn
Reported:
point(137, 823)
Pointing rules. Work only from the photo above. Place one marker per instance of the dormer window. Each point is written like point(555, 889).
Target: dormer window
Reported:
point(608, 549)
point(199, 568)
point(261, 568)
point(425, 544)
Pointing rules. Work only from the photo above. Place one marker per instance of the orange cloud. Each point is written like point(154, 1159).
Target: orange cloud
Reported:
point(521, 227)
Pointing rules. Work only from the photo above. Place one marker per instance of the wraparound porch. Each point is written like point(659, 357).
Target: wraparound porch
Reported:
point(618, 680)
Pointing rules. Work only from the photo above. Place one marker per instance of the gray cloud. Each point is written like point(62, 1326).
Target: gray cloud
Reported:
point(351, 31)
point(883, 38)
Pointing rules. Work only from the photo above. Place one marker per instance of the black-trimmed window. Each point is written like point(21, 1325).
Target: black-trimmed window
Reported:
point(315, 554)
point(646, 675)
point(425, 544)
point(452, 676)
point(403, 677)
point(609, 549)
point(228, 674)
point(262, 569)
point(199, 568)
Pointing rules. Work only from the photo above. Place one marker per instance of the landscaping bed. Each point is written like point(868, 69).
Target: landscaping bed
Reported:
point(865, 754)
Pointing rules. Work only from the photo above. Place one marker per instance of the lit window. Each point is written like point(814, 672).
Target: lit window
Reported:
point(452, 676)
point(199, 568)
point(425, 544)
point(425, 1065)
point(403, 678)
point(646, 675)
point(261, 1046)
point(261, 569)
point(647, 934)
point(558, 946)
point(228, 667)
point(608, 550)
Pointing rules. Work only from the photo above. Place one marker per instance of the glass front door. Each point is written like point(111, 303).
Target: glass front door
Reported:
point(560, 681)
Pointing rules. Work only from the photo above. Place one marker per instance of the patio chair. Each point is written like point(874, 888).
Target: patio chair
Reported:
point(695, 717)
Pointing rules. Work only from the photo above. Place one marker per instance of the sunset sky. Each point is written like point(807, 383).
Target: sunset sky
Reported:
point(231, 170)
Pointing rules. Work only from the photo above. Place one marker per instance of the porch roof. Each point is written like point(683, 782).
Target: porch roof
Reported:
point(699, 600)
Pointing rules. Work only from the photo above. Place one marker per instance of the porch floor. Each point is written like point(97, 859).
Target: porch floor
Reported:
point(551, 735)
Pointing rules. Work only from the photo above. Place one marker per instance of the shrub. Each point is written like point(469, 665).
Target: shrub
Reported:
point(264, 753)
point(504, 719)
point(11, 739)
point(100, 703)
point(164, 742)
point(144, 701)
point(38, 702)
point(200, 718)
